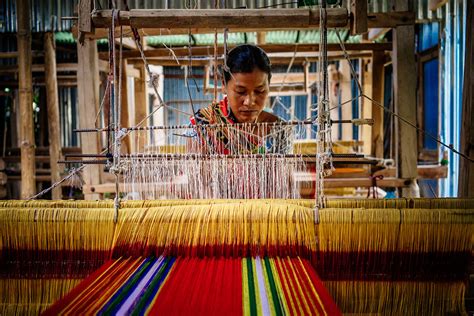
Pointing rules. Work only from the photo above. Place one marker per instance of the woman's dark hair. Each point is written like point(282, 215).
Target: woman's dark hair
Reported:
point(244, 59)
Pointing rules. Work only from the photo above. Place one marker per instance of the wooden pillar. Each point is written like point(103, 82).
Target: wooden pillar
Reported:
point(346, 95)
point(466, 174)
point(124, 121)
point(261, 38)
point(53, 111)
point(358, 17)
point(367, 106)
point(25, 88)
point(88, 97)
point(334, 90)
point(404, 84)
point(378, 60)
point(140, 106)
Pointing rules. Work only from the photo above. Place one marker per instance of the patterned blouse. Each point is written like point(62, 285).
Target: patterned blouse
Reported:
point(242, 139)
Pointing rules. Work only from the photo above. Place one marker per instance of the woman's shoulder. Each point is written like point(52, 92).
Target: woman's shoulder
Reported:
point(204, 115)
point(267, 117)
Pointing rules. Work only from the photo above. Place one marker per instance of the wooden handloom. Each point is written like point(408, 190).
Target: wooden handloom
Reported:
point(400, 256)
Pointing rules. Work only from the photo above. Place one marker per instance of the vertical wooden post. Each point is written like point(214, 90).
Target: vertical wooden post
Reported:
point(85, 20)
point(334, 81)
point(377, 95)
point(88, 97)
point(309, 101)
point(124, 121)
point(27, 143)
point(53, 111)
point(140, 106)
point(405, 96)
point(367, 106)
point(466, 174)
point(358, 17)
point(261, 38)
point(346, 95)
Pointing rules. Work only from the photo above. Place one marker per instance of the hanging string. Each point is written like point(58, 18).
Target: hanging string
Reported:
point(188, 71)
point(216, 83)
point(205, 167)
point(404, 120)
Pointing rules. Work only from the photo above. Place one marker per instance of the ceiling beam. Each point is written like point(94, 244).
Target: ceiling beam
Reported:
point(269, 48)
point(62, 67)
point(229, 18)
point(275, 60)
point(374, 20)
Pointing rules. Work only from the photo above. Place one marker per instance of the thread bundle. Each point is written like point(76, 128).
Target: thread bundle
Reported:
point(200, 286)
point(365, 256)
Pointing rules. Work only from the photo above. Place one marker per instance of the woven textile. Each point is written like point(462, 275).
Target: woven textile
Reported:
point(200, 286)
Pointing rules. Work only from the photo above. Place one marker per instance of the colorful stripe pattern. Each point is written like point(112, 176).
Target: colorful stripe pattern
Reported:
point(200, 286)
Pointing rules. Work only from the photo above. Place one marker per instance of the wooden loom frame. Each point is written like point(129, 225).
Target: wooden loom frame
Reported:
point(200, 21)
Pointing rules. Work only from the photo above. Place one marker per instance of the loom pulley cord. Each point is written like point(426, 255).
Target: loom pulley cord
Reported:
point(116, 99)
point(323, 120)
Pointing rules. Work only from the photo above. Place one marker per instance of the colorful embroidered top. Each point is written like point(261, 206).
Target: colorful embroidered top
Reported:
point(242, 139)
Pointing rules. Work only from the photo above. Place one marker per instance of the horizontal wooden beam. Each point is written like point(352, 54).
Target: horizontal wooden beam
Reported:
point(223, 18)
point(292, 78)
point(269, 48)
point(424, 172)
point(374, 20)
point(390, 19)
point(132, 72)
point(127, 42)
point(328, 183)
point(63, 81)
point(377, 33)
point(364, 183)
point(169, 61)
point(64, 67)
point(436, 4)
point(15, 54)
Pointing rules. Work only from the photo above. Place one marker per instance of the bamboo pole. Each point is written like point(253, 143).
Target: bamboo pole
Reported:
point(53, 111)
point(27, 143)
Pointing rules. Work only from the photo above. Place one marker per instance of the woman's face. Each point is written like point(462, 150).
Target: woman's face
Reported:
point(247, 94)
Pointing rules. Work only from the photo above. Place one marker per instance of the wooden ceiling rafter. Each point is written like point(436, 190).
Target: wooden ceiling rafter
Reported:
point(269, 48)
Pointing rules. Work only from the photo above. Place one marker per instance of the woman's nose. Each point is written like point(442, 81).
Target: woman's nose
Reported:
point(249, 98)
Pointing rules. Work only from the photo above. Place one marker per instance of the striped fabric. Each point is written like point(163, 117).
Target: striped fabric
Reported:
point(200, 286)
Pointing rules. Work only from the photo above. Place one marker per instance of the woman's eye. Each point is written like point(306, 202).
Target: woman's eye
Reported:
point(260, 91)
point(240, 92)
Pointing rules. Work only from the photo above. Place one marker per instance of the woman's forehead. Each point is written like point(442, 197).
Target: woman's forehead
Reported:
point(255, 78)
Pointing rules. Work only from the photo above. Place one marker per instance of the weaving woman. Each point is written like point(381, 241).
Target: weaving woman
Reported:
point(246, 81)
